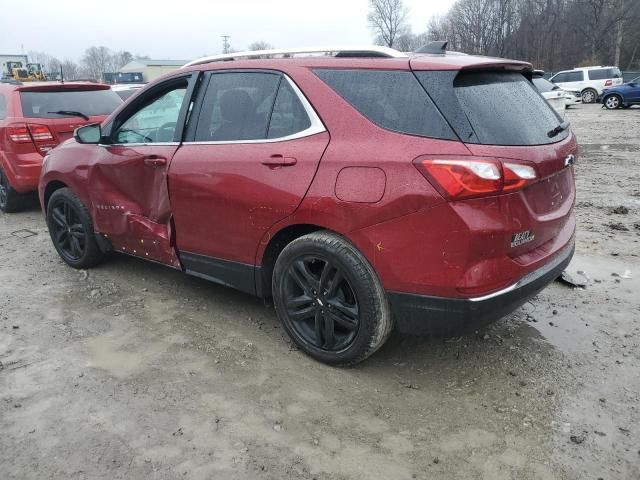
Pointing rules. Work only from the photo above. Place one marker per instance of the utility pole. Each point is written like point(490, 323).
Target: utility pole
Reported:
point(225, 43)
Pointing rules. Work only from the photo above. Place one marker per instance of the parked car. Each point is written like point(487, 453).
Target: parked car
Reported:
point(622, 96)
point(572, 97)
point(125, 90)
point(34, 118)
point(591, 81)
point(553, 94)
point(333, 184)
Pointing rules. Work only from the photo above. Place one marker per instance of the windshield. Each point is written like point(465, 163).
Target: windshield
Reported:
point(87, 102)
point(493, 108)
point(544, 85)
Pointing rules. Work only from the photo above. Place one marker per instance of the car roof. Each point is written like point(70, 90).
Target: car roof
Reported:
point(449, 61)
point(586, 68)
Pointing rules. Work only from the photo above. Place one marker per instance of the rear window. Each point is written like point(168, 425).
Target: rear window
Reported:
point(3, 107)
point(394, 100)
point(88, 102)
point(493, 108)
point(604, 73)
point(544, 85)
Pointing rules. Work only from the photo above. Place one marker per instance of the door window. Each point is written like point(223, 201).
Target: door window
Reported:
point(3, 107)
point(237, 106)
point(156, 121)
point(568, 77)
point(289, 116)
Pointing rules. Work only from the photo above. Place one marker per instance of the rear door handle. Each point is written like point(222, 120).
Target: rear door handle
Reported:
point(279, 161)
point(155, 161)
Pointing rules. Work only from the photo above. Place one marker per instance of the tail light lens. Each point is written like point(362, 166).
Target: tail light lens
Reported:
point(19, 133)
point(39, 136)
point(459, 178)
point(40, 133)
point(608, 83)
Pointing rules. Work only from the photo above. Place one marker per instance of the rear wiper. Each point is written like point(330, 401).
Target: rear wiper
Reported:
point(71, 113)
point(560, 128)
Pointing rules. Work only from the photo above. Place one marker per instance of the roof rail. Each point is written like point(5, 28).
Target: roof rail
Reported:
point(336, 51)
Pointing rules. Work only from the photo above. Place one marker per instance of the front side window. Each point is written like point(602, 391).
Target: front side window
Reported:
point(237, 106)
point(156, 121)
point(568, 77)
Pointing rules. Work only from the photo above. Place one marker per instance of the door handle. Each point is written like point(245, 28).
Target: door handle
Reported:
point(155, 161)
point(279, 161)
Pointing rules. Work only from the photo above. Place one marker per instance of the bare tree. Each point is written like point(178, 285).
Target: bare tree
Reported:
point(70, 69)
point(96, 61)
point(260, 45)
point(120, 59)
point(388, 20)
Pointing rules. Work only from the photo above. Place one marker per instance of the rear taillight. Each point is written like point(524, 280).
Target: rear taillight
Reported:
point(19, 133)
point(468, 177)
point(39, 136)
point(608, 83)
point(40, 133)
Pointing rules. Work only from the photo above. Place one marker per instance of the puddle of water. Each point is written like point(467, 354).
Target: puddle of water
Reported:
point(613, 147)
point(580, 318)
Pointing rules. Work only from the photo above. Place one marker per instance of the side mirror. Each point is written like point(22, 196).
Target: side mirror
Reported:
point(89, 134)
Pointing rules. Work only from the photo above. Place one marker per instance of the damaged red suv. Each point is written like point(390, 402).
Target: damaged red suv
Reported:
point(34, 118)
point(362, 190)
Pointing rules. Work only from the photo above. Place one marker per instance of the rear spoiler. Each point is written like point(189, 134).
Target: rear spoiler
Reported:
point(59, 87)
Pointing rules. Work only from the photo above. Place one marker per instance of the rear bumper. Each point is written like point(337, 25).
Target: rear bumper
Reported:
point(439, 316)
point(23, 171)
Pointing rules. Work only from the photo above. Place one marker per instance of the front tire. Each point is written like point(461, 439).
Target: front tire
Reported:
point(71, 230)
point(589, 96)
point(330, 300)
point(10, 200)
point(612, 102)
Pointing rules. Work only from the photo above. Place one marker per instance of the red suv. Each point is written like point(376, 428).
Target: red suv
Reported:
point(34, 118)
point(360, 189)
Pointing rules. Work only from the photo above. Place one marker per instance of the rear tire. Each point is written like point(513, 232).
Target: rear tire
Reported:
point(330, 300)
point(589, 95)
point(612, 102)
point(71, 230)
point(10, 200)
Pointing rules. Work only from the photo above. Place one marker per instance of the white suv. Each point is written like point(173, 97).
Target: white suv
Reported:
point(589, 80)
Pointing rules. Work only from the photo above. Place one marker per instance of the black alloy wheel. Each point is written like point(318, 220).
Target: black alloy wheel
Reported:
point(330, 300)
point(68, 232)
point(71, 230)
point(321, 304)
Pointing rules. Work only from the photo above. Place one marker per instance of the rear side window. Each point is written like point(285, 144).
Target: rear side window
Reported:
point(569, 77)
point(87, 102)
point(289, 116)
point(493, 108)
point(237, 106)
point(604, 73)
point(394, 100)
point(3, 107)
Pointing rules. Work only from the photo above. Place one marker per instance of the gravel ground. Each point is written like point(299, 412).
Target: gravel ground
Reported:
point(132, 370)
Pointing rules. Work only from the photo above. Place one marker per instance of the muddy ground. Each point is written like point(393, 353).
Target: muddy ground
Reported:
point(132, 370)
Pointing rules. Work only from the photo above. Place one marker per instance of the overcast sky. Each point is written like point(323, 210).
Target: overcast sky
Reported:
point(187, 29)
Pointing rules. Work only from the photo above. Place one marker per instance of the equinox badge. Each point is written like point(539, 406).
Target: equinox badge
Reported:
point(521, 238)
